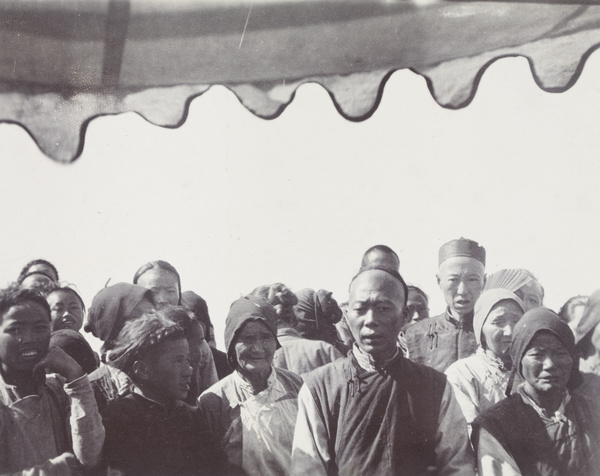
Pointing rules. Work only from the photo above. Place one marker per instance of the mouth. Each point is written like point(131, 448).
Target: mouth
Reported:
point(462, 303)
point(29, 355)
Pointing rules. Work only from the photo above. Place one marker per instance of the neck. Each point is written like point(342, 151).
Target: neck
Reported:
point(258, 380)
point(24, 382)
point(151, 395)
point(459, 317)
point(548, 401)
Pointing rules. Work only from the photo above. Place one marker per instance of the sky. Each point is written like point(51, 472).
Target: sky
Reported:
point(234, 201)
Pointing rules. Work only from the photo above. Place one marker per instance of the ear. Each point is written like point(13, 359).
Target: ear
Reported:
point(141, 370)
point(437, 277)
point(484, 280)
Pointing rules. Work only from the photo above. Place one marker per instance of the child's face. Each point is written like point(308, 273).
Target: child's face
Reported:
point(66, 310)
point(169, 371)
point(24, 336)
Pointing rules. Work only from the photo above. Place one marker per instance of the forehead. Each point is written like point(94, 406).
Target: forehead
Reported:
point(532, 287)
point(253, 327)
point(416, 296)
point(546, 340)
point(178, 346)
point(158, 277)
point(25, 312)
point(506, 306)
point(61, 295)
point(376, 284)
point(461, 265)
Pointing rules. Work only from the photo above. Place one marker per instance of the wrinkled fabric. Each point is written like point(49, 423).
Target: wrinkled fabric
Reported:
point(301, 355)
point(441, 340)
point(479, 381)
point(248, 431)
point(198, 306)
point(402, 418)
point(317, 313)
point(112, 307)
point(517, 437)
point(56, 420)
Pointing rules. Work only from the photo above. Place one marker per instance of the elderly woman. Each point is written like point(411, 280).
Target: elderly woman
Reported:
point(479, 381)
point(545, 428)
point(250, 415)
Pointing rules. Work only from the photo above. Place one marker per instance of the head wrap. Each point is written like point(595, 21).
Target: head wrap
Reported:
point(316, 313)
point(461, 247)
point(247, 308)
point(485, 304)
point(511, 279)
point(590, 318)
point(198, 306)
point(112, 307)
point(283, 300)
point(75, 345)
point(139, 335)
point(538, 320)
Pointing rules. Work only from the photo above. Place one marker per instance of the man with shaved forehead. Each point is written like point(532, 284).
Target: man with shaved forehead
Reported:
point(374, 411)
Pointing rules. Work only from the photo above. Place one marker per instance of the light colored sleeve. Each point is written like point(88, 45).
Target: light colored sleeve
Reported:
point(454, 455)
point(492, 458)
point(87, 430)
point(208, 370)
point(310, 449)
point(464, 391)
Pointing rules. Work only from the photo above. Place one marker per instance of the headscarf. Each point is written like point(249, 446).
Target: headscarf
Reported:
point(511, 279)
point(590, 318)
point(538, 320)
point(247, 308)
point(75, 345)
point(283, 300)
point(112, 307)
point(317, 312)
point(198, 306)
point(485, 304)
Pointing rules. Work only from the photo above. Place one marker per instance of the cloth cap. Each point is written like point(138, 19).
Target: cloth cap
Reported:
point(198, 306)
point(75, 345)
point(538, 320)
point(590, 318)
point(486, 302)
point(247, 308)
point(112, 307)
point(317, 312)
point(461, 247)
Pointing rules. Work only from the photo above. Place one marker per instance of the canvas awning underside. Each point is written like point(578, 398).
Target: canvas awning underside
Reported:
point(62, 63)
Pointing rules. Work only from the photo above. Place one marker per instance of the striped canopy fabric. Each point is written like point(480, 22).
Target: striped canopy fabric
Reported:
point(62, 63)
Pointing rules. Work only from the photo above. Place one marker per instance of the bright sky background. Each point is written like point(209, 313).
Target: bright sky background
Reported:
point(234, 201)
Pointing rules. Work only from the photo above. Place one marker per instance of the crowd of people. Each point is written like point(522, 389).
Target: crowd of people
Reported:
point(497, 384)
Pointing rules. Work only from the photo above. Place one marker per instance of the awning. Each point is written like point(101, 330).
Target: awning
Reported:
point(63, 63)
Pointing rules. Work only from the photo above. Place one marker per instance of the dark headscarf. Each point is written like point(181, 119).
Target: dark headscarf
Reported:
point(317, 312)
point(538, 320)
point(247, 308)
point(590, 318)
point(112, 307)
point(75, 345)
point(198, 306)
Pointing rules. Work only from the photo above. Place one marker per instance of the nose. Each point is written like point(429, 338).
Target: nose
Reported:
point(370, 319)
point(462, 288)
point(548, 362)
point(26, 335)
point(188, 370)
point(508, 330)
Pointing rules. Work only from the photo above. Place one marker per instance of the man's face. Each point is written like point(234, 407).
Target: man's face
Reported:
point(531, 294)
point(24, 336)
point(162, 284)
point(374, 313)
point(418, 308)
point(461, 280)
point(66, 310)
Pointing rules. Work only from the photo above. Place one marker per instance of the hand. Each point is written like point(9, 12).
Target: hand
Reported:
point(58, 361)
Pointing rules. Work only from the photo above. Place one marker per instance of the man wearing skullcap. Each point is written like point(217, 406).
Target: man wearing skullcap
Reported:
point(441, 340)
point(374, 412)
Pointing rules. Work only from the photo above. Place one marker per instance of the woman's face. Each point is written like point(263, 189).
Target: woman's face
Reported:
point(66, 310)
point(162, 284)
point(255, 346)
point(498, 326)
point(546, 365)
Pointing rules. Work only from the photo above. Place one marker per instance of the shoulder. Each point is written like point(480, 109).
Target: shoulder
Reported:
point(418, 375)
point(216, 392)
point(289, 379)
point(423, 326)
point(464, 368)
point(502, 412)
